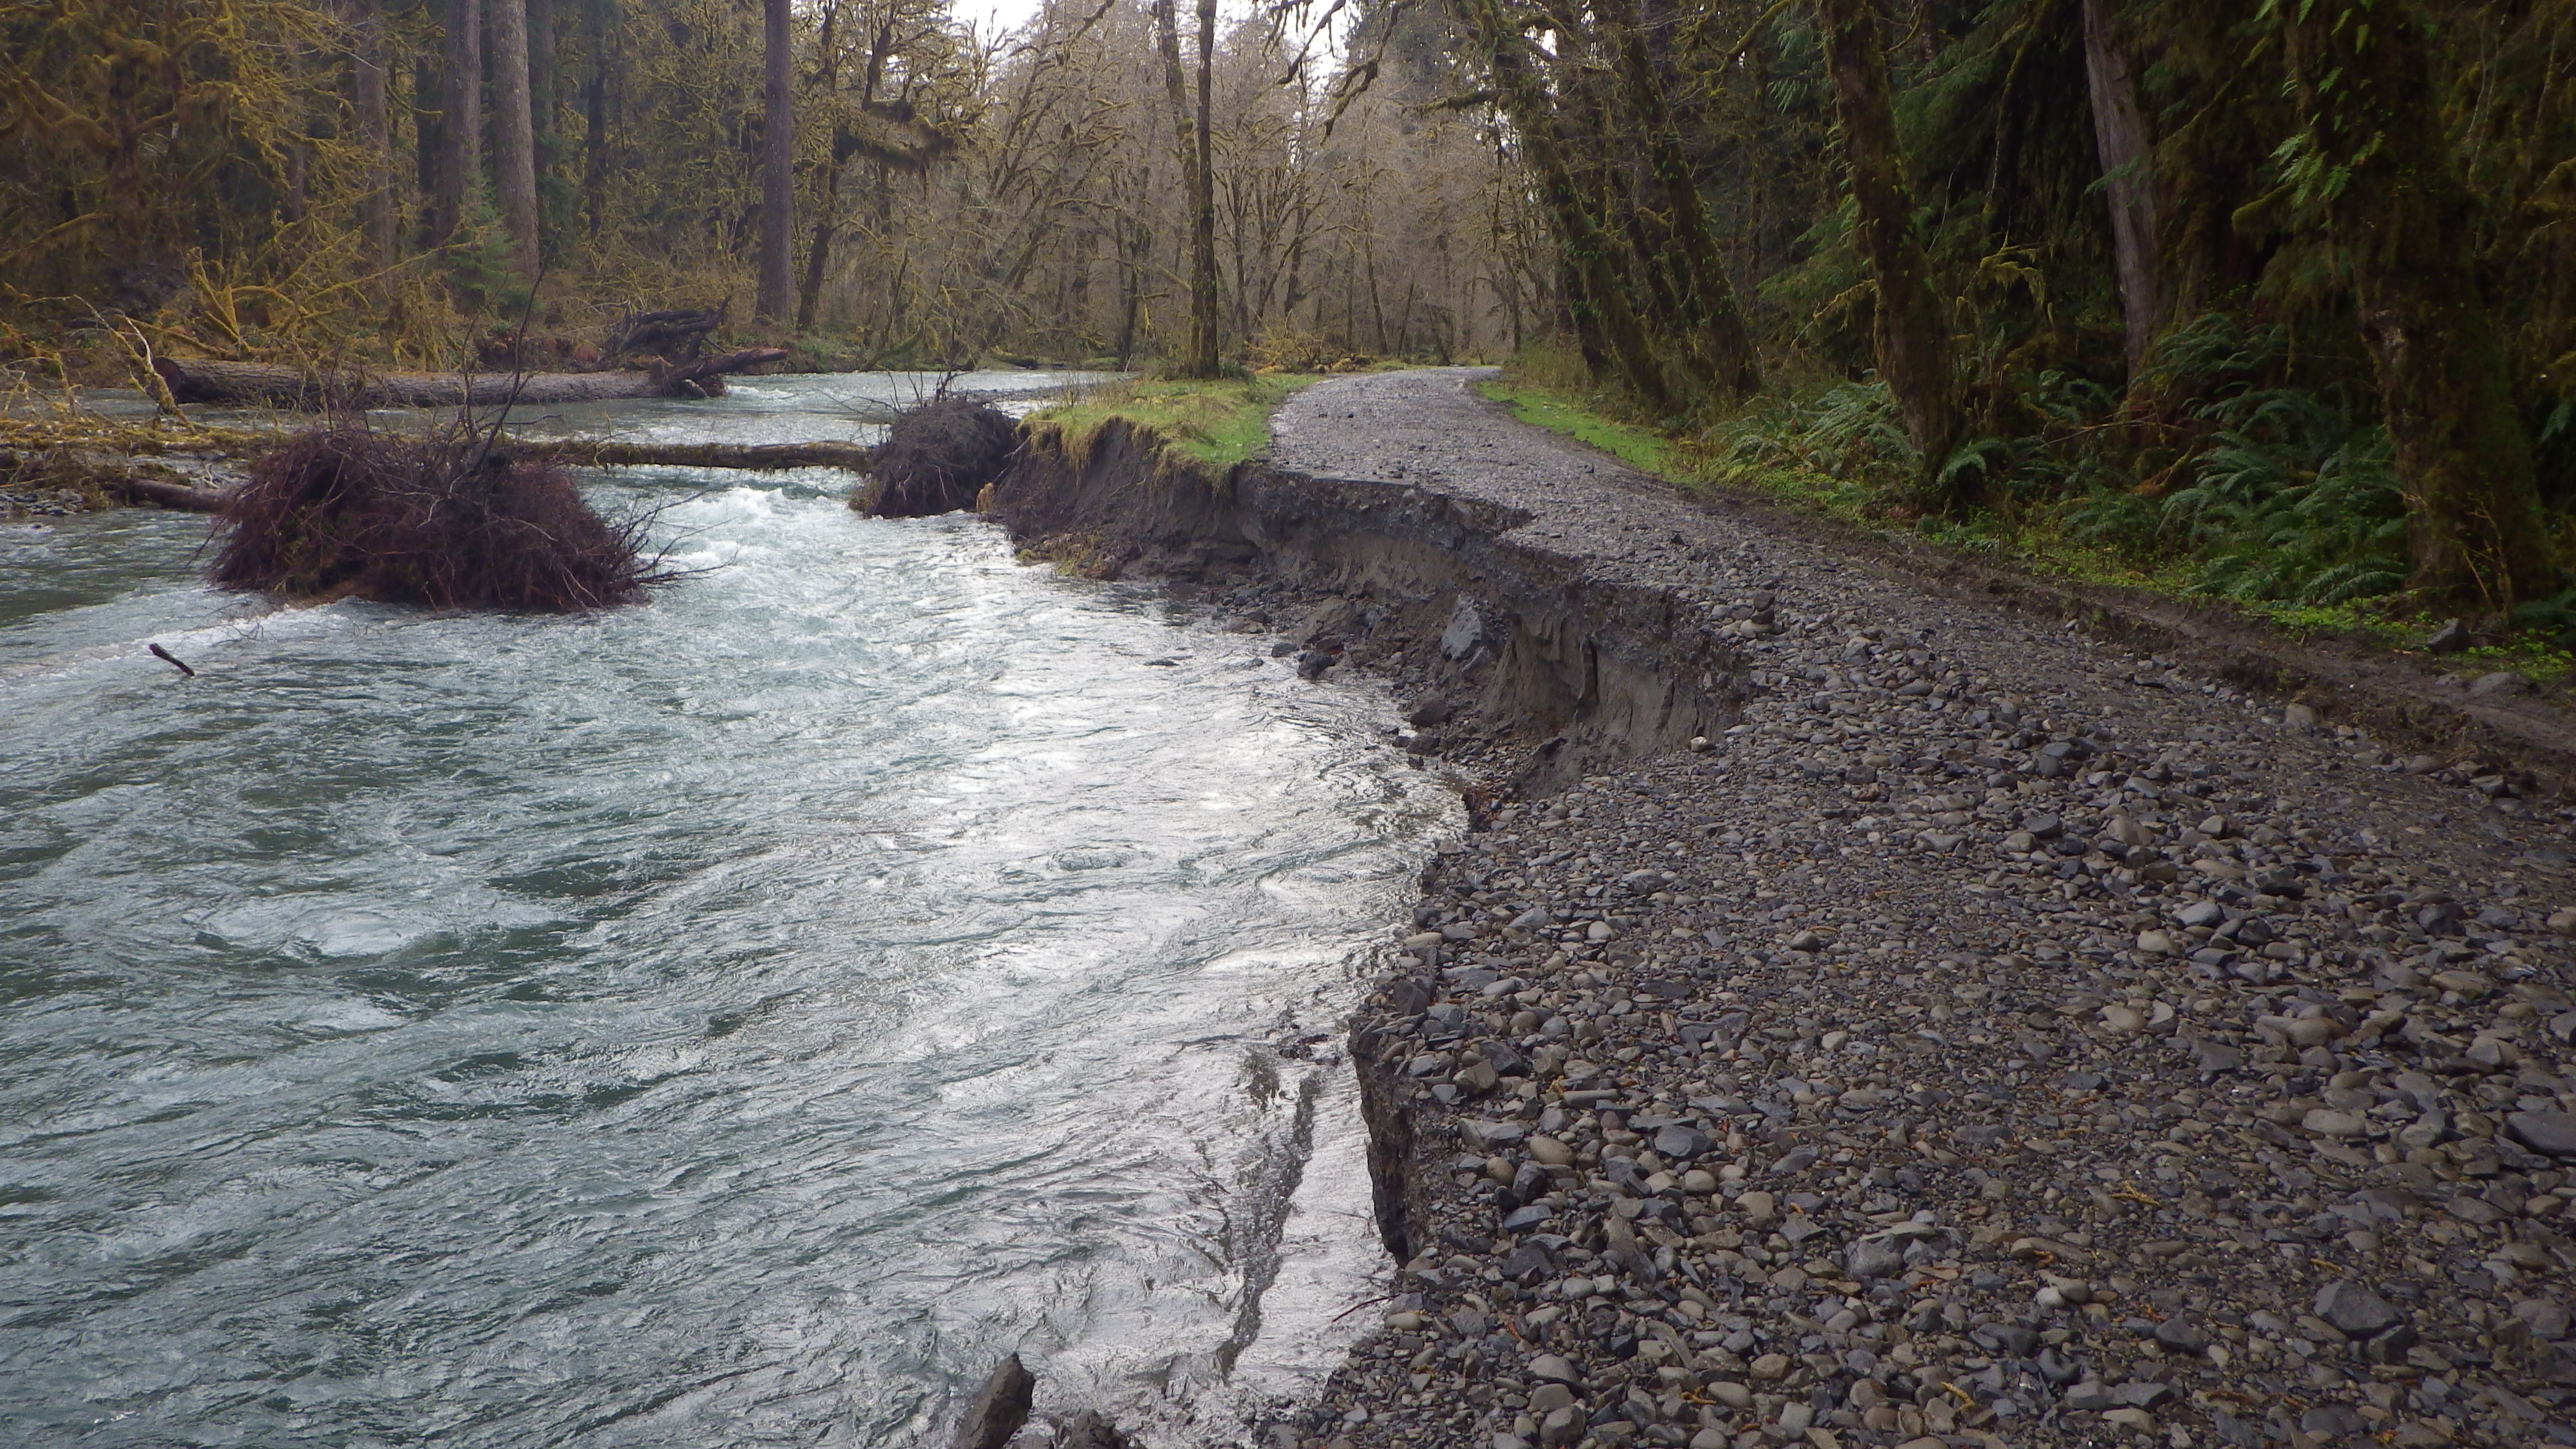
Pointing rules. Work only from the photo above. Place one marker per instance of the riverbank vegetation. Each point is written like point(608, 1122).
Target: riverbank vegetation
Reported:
point(2265, 302)
point(1217, 421)
point(2271, 302)
point(395, 183)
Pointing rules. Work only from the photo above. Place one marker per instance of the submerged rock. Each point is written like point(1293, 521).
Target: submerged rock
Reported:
point(1000, 1407)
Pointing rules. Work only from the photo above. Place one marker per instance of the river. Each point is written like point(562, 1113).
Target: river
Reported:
point(732, 1020)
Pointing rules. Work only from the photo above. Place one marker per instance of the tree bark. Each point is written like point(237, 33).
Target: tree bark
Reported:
point(194, 381)
point(777, 170)
point(545, 110)
point(1167, 40)
point(594, 114)
point(368, 100)
point(2120, 137)
point(460, 117)
point(1604, 322)
point(2403, 225)
point(1204, 361)
point(1710, 312)
point(1912, 329)
point(514, 136)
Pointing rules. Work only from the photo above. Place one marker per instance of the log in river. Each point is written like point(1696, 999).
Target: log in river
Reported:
point(192, 380)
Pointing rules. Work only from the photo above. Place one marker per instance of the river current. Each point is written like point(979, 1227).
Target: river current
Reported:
point(733, 1020)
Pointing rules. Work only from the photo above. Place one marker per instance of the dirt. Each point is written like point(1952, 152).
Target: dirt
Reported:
point(1879, 1007)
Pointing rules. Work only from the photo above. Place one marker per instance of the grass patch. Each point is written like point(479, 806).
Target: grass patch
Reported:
point(1839, 479)
point(1640, 448)
point(1218, 422)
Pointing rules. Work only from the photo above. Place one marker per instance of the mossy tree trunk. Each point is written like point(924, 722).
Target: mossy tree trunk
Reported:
point(460, 117)
point(777, 167)
point(1710, 318)
point(514, 134)
point(1912, 329)
point(2120, 138)
point(370, 100)
point(1204, 361)
point(1595, 293)
point(2378, 159)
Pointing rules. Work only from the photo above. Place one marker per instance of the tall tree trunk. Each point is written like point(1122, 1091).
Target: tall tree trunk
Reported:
point(514, 135)
point(2403, 225)
point(460, 117)
point(1708, 299)
point(374, 116)
point(1913, 334)
point(545, 108)
point(777, 169)
point(1203, 289)
point(1604, 322)
point(594, 113)
point(1167, 40)
point(2120, 136)
point(429, 145)
point(818, 255)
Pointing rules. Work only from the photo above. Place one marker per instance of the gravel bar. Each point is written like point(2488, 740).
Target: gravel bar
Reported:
point(1985, 1037)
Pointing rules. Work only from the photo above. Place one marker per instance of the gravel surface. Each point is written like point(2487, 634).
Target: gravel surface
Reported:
point(1992, 1038)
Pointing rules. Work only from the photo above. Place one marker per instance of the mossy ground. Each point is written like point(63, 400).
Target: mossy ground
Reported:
point(1218, 422)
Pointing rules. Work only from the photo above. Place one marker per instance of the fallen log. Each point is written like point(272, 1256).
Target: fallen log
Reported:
point(170, 495)
point(254, 383)
point(752, 457)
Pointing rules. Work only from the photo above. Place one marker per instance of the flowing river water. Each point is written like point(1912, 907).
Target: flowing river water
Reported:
point(733, 1020)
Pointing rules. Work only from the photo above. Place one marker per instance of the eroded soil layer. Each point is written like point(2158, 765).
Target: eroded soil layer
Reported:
point(1994, 1030)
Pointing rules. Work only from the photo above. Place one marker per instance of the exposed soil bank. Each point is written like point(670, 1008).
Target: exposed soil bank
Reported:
point(2001, 1032)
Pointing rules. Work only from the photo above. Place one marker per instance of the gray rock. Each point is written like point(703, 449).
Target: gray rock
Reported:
point(2546, 1319)
point(2012, 1339)
point(1087, 1430)
point(2217, 1056)
point(2089, 1396)
point(1486, 1136)
point(1000, 1407)
point(2201, 913)
point(2354, 1310)
point(2332, 1420)
point(1548, 1368)
point(2451, 638)
point(2550, 1132)
point(2503, 681)
point(1874, 1259)
point(2182, 1333)
point(1467, 629)
point(1521, 1220)
point(2143, 1393)
point(1681, 1143)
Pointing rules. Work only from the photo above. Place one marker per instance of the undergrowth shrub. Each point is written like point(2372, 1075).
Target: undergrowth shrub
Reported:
point(345, 512)
point(2268, 486)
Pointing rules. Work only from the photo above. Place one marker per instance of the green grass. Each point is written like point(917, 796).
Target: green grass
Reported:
point(1218, 422)
point(1640, 448)
point(2034, 541)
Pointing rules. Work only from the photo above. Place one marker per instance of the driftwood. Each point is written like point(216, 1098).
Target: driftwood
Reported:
point(677, 336)
point(751, 457)
point(170, 495)
point(259, 383)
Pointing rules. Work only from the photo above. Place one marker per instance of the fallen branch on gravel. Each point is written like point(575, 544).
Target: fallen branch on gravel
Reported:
point(253, 383)
point(446, 521)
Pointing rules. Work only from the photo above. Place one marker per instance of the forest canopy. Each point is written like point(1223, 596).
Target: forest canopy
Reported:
point(2281, 288)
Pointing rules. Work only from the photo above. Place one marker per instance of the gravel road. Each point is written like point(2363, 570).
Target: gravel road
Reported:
point(1994, 1038)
